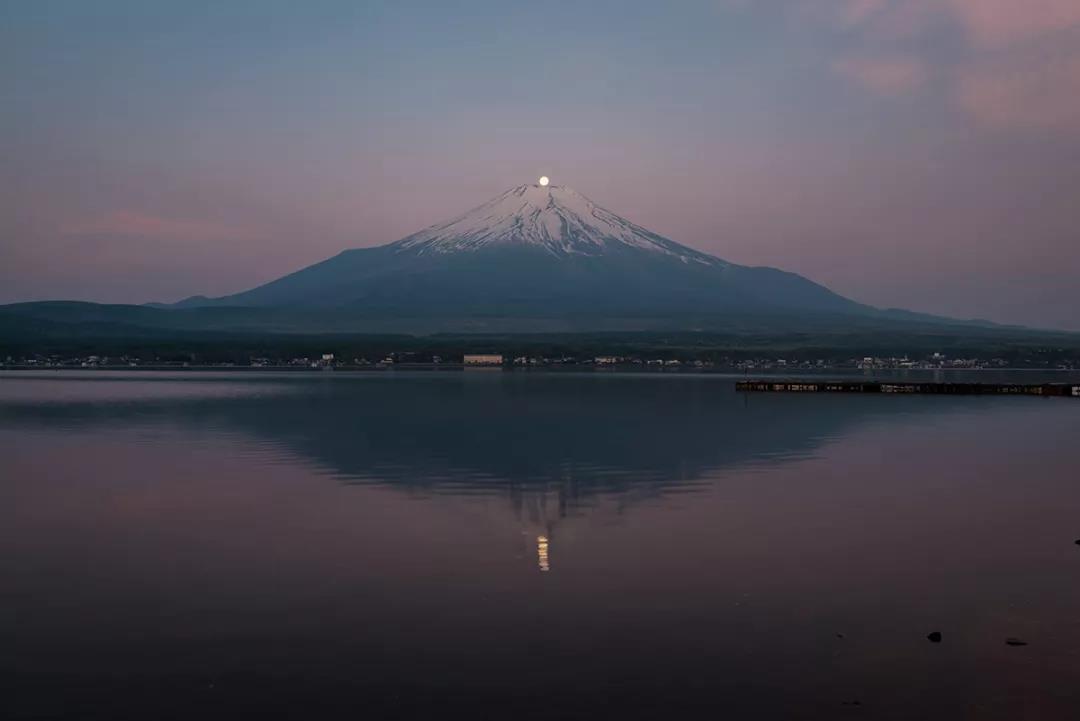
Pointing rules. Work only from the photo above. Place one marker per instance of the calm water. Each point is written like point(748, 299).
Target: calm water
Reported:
point(518, 546)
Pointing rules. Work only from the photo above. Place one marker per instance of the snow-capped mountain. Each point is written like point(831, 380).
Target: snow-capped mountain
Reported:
point(555, 218)
point(541, 253)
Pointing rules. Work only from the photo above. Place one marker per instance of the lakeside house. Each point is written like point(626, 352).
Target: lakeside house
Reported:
point(483, 359)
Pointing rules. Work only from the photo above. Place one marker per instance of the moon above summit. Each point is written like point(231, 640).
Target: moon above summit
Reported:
point(544, 180)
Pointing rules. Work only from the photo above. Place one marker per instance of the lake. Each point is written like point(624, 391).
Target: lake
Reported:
point(515, 545)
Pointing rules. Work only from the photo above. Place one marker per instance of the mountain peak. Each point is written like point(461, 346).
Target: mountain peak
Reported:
point(554, 218)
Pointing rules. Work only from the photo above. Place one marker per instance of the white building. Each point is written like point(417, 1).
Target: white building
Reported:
point(483, 359)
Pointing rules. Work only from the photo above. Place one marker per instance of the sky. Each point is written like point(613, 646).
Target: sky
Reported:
point(922, 154)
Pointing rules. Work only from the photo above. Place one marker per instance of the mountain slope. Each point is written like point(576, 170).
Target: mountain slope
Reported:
point(538, 252)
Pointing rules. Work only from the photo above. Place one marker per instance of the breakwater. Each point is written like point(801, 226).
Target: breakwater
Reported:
point(925, 388)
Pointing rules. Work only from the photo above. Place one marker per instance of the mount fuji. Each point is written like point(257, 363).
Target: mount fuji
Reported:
point(539, 252)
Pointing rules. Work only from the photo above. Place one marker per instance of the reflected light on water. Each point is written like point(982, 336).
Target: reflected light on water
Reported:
point(543, 559)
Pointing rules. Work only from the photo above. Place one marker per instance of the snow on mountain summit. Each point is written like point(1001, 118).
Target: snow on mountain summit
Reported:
point(553, 217)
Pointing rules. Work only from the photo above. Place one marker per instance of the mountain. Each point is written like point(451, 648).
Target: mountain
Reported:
point(538, 252)
point(534, 260)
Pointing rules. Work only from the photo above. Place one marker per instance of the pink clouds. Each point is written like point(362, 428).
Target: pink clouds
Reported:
point(885, 76)
point(854, 12)
point(133, 224)
point(1016, 66)
point(986, 23)
point(1024, 69)
point(998, 23)
point(880, 17)
point(1023, 96)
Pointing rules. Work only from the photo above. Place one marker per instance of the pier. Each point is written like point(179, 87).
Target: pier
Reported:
point(900, 387)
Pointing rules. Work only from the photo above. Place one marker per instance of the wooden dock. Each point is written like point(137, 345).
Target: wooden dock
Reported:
point(903, 387)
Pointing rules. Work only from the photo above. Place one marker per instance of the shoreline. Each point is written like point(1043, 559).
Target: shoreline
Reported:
point(786, 374)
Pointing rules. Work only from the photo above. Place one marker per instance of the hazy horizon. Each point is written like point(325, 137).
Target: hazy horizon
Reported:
point(922, 154)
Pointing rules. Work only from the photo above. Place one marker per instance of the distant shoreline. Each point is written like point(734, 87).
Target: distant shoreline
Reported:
point(565, 368)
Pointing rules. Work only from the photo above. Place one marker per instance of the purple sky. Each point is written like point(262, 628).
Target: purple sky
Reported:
point(913, 153)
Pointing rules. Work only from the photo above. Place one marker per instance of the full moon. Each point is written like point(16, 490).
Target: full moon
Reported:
point(544, 180)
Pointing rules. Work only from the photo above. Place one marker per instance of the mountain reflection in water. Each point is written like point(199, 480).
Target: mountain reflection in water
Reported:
point(551, 444)
point(578, 435)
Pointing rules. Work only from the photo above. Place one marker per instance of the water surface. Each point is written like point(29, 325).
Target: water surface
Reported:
point(530, 545)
